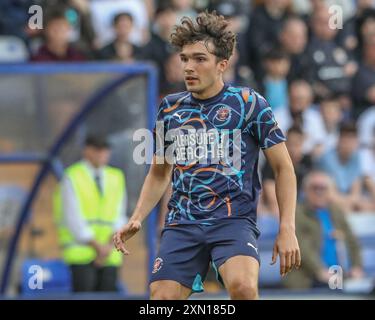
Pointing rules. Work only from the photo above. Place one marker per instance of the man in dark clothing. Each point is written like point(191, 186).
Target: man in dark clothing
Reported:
point(293, 40)
point(351, 36)
point(364, 80)
point(121, 48)
point(158, 48)
point(265, 24)
point(14, 16)
point(332, 65)
point(57, 47)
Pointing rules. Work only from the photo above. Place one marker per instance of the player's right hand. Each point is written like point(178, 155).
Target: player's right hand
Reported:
point(125, 233)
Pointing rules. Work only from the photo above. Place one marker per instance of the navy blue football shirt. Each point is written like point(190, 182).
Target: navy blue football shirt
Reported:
point(214, 146)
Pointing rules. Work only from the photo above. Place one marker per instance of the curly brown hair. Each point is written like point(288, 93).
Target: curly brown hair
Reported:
point(207, 27)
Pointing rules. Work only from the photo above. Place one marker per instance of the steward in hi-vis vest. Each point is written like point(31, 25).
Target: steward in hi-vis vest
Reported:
point(89, 207)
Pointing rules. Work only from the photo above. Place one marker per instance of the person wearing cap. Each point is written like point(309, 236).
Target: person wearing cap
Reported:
point(89, 207)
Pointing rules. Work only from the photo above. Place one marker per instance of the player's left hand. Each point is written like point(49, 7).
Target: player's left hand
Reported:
point(286, 246)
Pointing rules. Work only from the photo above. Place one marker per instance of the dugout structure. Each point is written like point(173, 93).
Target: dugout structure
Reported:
point(46, 111)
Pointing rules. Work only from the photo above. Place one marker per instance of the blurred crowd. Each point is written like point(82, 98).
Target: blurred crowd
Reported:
point(317, 73)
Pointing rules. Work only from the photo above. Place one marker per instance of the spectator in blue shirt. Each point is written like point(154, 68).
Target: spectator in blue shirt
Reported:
point(342, 164)
point(277, 65)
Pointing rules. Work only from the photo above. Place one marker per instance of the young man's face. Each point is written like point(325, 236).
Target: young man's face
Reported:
point(202, 70)
point(294, 143)
point(278, 67)
point(331, 112)
point(347, 144)
point(294, 37)
point(58, 31)
point(300, 96)
point(123, 28)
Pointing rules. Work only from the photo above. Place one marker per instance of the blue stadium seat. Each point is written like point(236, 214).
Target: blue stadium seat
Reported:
point(12, 50)
point(56, 277)
point(269, 227)
point(122, 288)
point(368, 257)
point(363, 226)
point(269, 275)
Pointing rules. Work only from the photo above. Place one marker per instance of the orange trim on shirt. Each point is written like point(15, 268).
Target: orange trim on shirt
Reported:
point(229, 206)
point(195, 119)
point(185, 167)
point(207, 169)
point(245, 94)
point(212, 202)
point(173, 107)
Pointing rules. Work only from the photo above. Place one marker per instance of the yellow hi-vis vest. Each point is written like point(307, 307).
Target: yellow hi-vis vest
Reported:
point(99, 211)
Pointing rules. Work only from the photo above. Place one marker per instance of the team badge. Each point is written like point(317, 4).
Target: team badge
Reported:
point(223, 113)
point(157, 265)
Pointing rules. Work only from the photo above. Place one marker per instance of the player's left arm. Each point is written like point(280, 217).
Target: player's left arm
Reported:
point(286, 244)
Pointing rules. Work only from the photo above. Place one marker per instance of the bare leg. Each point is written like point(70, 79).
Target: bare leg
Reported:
point(240, 276)
point(168, 290)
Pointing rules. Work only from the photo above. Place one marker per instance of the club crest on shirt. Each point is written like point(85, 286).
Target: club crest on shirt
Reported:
point(223, 113)
point(157, 265)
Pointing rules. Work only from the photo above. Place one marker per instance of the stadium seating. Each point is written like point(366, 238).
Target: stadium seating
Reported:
point(269, 227)
point(56, 277)
point(13, 49)
point(269, 276)
point(363, 226)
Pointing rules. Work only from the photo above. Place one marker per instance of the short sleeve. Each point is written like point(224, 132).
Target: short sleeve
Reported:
point(261, 122)
point(159, 132)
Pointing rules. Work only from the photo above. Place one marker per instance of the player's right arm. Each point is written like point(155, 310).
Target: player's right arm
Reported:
point(155, 185)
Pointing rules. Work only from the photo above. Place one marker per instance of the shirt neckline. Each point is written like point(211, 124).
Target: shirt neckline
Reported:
point(213, 98)
point(93, 171)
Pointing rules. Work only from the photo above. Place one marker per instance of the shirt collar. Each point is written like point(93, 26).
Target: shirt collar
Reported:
point(93, 171)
